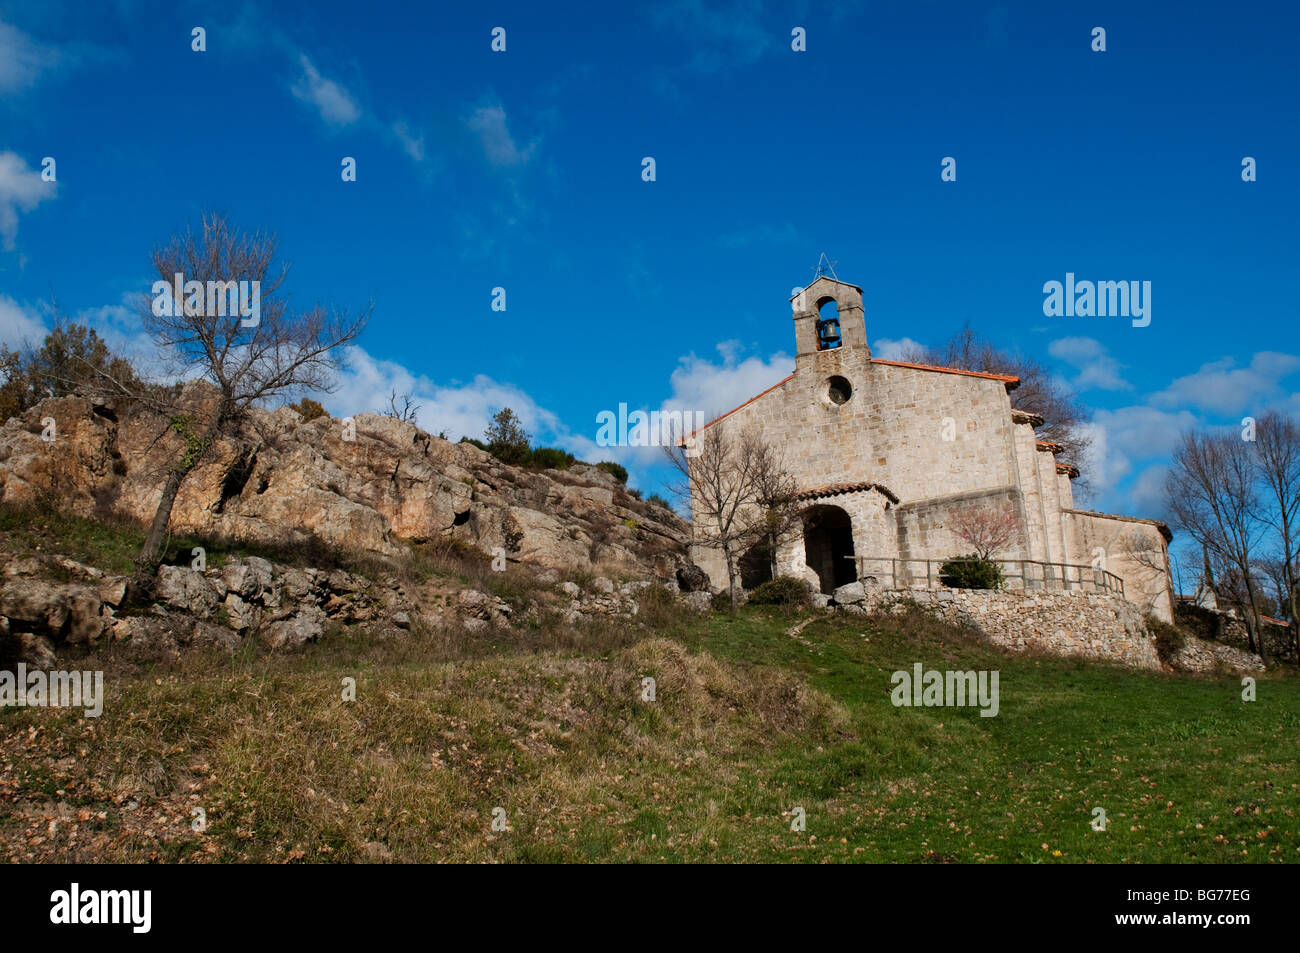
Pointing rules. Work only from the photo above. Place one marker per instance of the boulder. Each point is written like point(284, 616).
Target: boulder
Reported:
point(186, 589)
point(305, 625)
point(691, 578)
point(38, 603)
point(242, 615)
point(699, 601)
point(849, 593)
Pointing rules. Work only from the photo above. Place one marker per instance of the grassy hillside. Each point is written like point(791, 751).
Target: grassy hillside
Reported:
point(750, 721)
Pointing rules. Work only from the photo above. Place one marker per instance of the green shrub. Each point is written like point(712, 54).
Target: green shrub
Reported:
point(782, 591)
point(970, 572)
point(1169, 638)
point(550, 458)
point(658, 500)
point(618, 472)
point(475, 443)
point(507, 439)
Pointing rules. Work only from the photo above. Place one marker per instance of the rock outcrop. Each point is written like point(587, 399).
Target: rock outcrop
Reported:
point(365, 483)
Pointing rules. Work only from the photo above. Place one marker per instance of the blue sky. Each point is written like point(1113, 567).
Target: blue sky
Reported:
point(522, 169)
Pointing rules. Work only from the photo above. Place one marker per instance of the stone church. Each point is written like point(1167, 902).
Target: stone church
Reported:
point(887, 456)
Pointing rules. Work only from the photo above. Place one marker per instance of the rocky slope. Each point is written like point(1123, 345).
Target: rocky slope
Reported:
point(373, 489)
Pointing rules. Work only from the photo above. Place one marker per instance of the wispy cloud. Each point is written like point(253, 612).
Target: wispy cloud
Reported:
point(490, 125)
point(458, 409)
point(1095, 368)
point(19, 326)
point(21, 190)
point(714, 388)
point(23, 59)
point(895, 349)
point(1221, 387)
point(335, 104)
point(412, 144)
point(720, 37)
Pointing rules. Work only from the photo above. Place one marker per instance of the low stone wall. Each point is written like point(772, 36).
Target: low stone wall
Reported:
point(1199, 655)
point(1087, 625)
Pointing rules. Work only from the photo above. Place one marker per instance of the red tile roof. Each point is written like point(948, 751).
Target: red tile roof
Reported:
point(834, 489)
point(1006, 379)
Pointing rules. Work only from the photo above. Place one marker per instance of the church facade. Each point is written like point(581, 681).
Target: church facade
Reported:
point(891, 460)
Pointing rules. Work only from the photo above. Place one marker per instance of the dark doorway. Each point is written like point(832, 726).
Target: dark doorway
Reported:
point(756, 566)
point(828, 542)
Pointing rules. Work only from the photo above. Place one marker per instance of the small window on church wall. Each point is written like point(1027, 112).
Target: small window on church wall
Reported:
point(838, 390)
point(828, 326)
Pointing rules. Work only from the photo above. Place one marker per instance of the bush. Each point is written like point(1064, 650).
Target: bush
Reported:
point(309, 409)
point(782, 591)
point(619, 473)
point(507, 439)
point(475, 443)
point(550, 458)
point(1169, 638)
point(658, 500)
point(970, 572)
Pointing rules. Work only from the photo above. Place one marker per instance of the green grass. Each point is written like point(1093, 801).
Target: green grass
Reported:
point(750, 722)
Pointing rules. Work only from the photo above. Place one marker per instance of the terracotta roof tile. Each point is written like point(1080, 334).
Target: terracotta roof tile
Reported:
point(835, 489)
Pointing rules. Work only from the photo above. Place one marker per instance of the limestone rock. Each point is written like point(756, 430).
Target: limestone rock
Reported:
point(284, 481)
point(186, 589)
point(305, 625)
point(850, 593)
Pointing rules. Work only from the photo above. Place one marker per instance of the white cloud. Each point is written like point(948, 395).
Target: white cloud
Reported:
point(489, 122)
point(21, 189)
point(1096, 369)
point(22, 59)
point(1223, 388)
point(890, 349)
point(1123, 438)
point(459, 410)
point(701, 385)
point(19, 326)
point(335, 105)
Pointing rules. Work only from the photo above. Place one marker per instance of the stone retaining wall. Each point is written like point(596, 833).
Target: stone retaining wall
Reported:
point(1086, 625)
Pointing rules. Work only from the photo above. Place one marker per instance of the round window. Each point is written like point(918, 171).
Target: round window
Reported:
point(839, 390)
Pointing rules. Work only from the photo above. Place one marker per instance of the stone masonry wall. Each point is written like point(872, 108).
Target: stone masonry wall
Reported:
point(1095, 626)
point(1085, 625)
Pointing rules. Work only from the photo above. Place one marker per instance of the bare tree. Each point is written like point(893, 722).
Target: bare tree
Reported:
point(776, 495)
point(738, 493)
point(986, 528)
point(249, 354)
point(405, 413)
point(1213, 495)
point(1277, 447)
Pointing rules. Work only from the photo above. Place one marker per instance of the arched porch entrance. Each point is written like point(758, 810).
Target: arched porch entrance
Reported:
point(828, 542)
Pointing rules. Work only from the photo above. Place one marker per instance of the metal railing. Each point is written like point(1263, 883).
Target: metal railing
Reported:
point(1032, 574)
